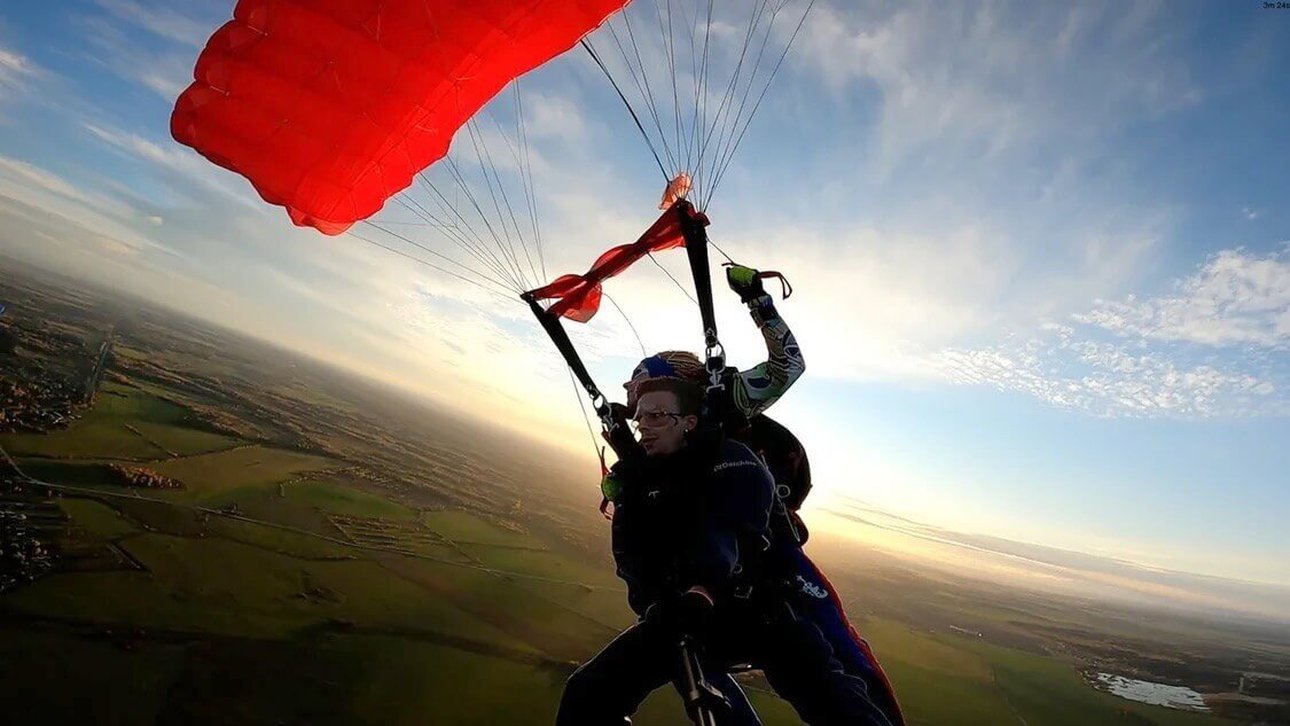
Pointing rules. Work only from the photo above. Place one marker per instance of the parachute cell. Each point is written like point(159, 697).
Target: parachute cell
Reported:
point(330, 107)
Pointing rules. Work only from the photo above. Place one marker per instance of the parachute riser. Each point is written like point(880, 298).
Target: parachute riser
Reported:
point(696, 249)
point(560, 337)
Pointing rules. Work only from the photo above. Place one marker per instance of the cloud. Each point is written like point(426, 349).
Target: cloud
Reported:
point(1110, 380)
point(18, 170)
point(160, 19)
point(1049, 568)
point(14, 69)
point(16, 73)
point(180, 161)
point(411, 328)
point(161, 68)
point(1251, 213)
point(115, 247)
point(552, 115)
point(1214, 348)
point(1000, 77)
point(172, 156)
point(1235, 298)
point(106, 221)
point(873, 300)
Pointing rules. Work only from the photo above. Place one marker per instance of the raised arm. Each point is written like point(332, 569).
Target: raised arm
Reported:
point(760, 386)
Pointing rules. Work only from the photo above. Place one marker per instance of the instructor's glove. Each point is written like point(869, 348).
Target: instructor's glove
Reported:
point(686, 614)
point(744, 280)
point(620, 413)
point(611, 486)
point(620, 439)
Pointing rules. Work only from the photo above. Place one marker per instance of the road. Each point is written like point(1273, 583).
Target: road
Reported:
point(96, 373)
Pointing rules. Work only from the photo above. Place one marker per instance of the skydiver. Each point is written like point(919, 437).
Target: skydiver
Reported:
point(750, 393)
point(690, 526)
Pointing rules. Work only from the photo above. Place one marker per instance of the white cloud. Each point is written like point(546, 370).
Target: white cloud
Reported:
point(13, 68)
point(114, 246)
point(18, 170)
point(1235, 298)
point(164, 70)
point(418, 330)
point(1111, 380)
point(1113, 575)
point(1000, 77)
point(549, 115)
point(16, 73)
point(160, 19)
point(178, 160)
point(1213, 349)
point(172, 156)
point(106, 221)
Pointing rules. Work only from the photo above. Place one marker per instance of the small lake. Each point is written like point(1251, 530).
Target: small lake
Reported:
point(1156, 694)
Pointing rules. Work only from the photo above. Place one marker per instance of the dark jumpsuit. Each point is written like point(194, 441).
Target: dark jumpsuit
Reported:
point(751, 392)
point(702, 518)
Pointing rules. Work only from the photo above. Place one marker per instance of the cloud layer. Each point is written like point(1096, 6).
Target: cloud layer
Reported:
point(1053, 569)
point(1211, 347)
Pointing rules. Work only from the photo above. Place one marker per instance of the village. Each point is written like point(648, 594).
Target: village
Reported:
point(36, 397)
point(24, 554)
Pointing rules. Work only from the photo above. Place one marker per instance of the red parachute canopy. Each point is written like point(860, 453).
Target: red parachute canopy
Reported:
point(329, 107)
point(578, 296)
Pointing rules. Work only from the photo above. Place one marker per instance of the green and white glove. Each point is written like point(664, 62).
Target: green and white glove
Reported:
point(744, 280)
point(611, 487)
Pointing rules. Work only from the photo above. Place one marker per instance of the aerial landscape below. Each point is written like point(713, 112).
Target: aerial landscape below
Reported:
point(242, 535)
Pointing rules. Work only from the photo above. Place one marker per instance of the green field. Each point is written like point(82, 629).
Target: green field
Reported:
point(426, 630)
point(948, 679)
point(270, 590)
point(73, 473)
point(338, 499)
point(98, 519)
point(89, 679)
point(465, 528)
point(219, 478)
point(126, 424)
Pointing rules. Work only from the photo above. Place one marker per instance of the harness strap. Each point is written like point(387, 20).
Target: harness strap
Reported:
point(551, 324)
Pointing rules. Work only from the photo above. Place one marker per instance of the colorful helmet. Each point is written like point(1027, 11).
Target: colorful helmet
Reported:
point(680, 364)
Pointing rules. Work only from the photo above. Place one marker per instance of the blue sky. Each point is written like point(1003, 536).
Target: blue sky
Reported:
point(1039, 252)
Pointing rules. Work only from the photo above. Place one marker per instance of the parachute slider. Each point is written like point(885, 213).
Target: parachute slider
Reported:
point(578, 296)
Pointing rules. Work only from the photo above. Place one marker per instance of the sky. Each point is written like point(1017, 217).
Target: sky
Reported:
point(1040, 254)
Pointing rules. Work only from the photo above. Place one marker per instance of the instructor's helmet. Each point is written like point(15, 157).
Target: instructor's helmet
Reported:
point(679, 364)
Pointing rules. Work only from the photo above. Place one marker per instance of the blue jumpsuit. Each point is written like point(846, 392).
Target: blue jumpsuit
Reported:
point(702, 518)
point(811, 594)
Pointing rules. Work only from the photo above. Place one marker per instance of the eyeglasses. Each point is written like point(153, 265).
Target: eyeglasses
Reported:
point(652, 419)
